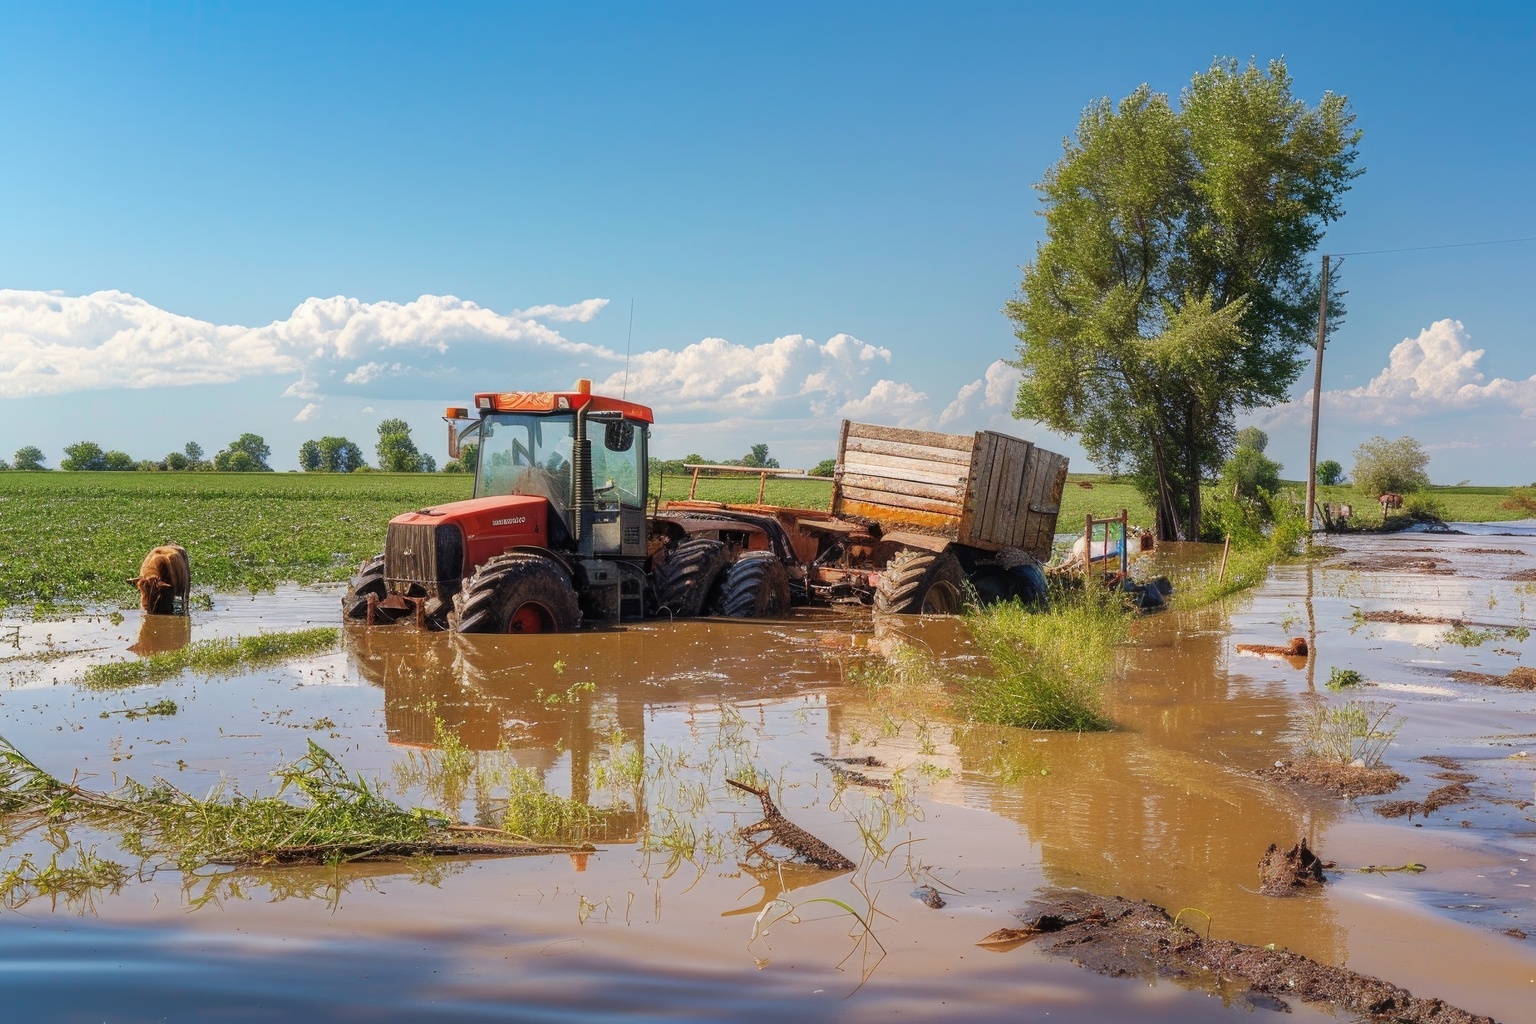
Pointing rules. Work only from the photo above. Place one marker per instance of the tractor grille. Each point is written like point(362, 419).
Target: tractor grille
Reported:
point(419, 553)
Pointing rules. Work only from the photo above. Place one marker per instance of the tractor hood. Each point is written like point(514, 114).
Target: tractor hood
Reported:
point(490, 525)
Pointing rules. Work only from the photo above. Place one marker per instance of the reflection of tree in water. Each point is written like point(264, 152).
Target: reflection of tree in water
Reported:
point(1162, 808)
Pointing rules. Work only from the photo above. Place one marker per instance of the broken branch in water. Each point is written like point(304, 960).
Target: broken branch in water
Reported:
point(339, 819)
point(789, 835)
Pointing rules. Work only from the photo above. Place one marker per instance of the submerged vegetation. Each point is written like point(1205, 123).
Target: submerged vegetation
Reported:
point(1049, 666)
point(338, 818)
point(212, 656)
point(1353, 733)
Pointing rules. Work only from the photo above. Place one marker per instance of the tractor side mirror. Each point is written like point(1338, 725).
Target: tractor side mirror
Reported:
point(457, 431)
point(618, 435)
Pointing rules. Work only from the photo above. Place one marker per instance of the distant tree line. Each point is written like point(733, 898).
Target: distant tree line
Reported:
point(395, 449)
point(757, 457)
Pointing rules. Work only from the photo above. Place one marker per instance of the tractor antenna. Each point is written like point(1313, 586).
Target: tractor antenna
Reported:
point(627, 339)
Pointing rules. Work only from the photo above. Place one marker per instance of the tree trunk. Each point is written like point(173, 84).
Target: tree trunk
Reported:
point(1192, 468)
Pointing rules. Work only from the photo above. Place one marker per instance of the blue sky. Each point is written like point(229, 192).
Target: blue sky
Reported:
point(301, 219)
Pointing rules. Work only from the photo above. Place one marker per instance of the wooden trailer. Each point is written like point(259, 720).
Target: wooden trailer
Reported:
point(986, 491)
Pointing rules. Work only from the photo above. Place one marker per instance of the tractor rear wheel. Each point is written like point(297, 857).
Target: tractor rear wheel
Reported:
point(516, 593)
point(369, 581)
point(921, 583)
point(756, 587)
point(688, 578)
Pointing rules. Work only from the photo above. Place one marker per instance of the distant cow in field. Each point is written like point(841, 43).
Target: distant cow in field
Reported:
point(164, 576)
point(1389, 502)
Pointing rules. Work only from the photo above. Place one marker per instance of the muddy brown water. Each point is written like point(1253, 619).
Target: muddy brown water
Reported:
point(659, 922)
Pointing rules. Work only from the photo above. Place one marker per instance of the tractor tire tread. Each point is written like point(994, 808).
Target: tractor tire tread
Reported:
point(505, 583)
point(756, 587)
point(909, 576)
point(687, 580)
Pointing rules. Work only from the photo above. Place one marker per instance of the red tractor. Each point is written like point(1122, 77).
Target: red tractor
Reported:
point(558, 533)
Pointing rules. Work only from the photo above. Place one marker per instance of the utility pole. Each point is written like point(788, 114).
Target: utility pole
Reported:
point(1317, 395)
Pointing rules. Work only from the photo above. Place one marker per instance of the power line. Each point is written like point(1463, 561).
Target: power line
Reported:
point(1423, 248)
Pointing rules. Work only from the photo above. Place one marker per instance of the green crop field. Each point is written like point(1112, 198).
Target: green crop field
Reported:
point(75, 538)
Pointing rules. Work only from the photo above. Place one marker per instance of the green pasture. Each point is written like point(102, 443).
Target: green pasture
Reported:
point(75, 538)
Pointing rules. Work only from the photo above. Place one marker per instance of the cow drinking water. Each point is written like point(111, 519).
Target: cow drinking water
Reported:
point(164, 576)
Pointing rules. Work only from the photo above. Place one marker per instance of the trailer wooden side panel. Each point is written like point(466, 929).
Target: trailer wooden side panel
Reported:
point(914, 479)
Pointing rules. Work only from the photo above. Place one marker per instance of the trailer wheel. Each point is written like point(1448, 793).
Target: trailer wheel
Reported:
point(756, 587)
point(516, 593)
point(368, 581)
point(688, 579)
point(1020, 579)
point(921, 583)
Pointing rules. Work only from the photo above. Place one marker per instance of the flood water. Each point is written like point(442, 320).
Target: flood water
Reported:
point(659, 922)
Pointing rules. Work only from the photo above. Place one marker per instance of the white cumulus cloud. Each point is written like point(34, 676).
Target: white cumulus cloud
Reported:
point(306, 413)
point(791, 371)
point(997, 386)
point(1436, 370)
point(53, 344)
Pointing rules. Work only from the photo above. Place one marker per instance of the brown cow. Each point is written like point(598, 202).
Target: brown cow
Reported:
point(164, 576)
point(1390, 501)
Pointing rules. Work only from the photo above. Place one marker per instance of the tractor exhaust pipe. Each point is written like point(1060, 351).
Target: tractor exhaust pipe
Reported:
point(581, 482)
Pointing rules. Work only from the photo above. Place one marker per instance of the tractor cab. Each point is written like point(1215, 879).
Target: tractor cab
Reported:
point(582, 453)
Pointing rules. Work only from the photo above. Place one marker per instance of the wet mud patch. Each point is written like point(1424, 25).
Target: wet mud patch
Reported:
point(1424, 565)
point(1494, 551)
point(1411, 618)
point(1281, 873)
point(1122, 938)
point(1522, 576)
point(1521, 677)
point(1339, 780)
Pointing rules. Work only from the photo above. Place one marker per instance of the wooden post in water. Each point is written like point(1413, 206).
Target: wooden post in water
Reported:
point(1125, 541)
point(1087, 547)
point(1226, 546)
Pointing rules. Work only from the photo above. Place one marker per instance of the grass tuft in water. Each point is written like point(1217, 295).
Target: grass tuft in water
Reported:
point(1347, 733)
point(537, 814)
point(212, 656)
point(1343, 678)
point(1049, 667)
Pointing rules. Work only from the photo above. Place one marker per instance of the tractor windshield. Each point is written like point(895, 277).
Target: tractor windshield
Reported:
point(526, 454)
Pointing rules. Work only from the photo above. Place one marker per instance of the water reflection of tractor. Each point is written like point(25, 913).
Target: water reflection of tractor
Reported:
point(558, 533)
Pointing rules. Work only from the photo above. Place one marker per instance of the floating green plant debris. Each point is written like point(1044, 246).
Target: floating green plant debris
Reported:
point(337, 818)
point(212, 656)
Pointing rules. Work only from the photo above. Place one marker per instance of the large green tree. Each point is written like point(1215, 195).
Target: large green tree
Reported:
point(397, 452)
point(1396, 466)
point(246, 454)
point(1173, 289)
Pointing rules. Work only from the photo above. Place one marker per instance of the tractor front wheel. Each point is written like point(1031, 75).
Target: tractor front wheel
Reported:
point(369, 581)
point(516, 593)
point(921, 583)
point(756, 587)
point(687, 580)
